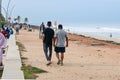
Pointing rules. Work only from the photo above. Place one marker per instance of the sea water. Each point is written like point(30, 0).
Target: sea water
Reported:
point(112, 31)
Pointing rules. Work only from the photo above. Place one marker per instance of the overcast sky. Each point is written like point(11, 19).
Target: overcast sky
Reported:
point(67, 11)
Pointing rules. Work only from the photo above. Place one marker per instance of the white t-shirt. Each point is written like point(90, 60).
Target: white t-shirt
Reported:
point(60, 36)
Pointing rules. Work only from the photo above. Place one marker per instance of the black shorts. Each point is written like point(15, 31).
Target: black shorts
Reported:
point(59, 49)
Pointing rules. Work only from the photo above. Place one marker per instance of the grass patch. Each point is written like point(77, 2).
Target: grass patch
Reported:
point(21, 47)
point(24, 58)
point(29, 71)
point(1, 72)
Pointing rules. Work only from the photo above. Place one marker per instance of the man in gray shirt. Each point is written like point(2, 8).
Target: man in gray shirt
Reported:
point(60, 42)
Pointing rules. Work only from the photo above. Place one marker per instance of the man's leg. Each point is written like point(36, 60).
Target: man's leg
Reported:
point(57, 55)
point(62, 54)
point(45, 50)
point(50, 52)
point(62, 57)
point(49, 55)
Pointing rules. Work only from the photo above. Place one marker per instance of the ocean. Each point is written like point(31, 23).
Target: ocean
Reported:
point(112, 31)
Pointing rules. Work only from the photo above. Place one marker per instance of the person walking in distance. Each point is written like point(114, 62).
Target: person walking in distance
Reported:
point(48, 36)
point(42, 28)
point(60, 39)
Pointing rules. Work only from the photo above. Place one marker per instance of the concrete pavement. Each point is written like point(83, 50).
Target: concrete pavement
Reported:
point(12, 62)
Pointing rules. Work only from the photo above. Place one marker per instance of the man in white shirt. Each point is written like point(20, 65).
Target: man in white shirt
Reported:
point(60, 43)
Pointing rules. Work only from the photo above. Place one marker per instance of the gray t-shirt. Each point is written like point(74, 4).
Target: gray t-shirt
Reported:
point(61, 36)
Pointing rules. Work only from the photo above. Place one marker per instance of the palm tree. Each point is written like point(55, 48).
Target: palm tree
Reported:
point(26, 20)
point(18, 19)
point(25, 23)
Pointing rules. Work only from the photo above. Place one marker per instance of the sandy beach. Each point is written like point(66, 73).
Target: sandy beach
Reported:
point(85, 58)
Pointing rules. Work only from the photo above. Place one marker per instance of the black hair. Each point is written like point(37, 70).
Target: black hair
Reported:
point(60, 26)
point(49, 23)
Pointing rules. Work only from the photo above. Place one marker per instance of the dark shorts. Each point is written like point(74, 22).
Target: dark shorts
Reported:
point(59, 49)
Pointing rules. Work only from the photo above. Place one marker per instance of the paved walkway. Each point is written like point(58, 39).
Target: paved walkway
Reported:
point(12, 62)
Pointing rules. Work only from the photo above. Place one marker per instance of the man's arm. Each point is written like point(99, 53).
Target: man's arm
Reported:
point(54, 41)
point(66, 41)
point(54, 38)
point(43, 37)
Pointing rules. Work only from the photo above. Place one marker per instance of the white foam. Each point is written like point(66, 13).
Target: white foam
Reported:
point(95, 30)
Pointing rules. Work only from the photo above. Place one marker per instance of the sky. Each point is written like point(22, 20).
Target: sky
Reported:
point(65, 11)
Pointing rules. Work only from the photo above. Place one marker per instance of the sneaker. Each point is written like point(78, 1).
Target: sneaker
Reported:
point(48, 63)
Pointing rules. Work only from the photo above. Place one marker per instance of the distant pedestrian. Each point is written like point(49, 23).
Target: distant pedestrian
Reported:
point(42, 28)
point(4, 32)
point(11, 31)
point(17, 27)
point(2, 47)
point(55, 26)
point(8, 33)
point(110, 34)
point(60, 42)
point(48, 36)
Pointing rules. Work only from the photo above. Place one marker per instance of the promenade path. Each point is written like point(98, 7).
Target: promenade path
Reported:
point(12, 62)
point(82, 60)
